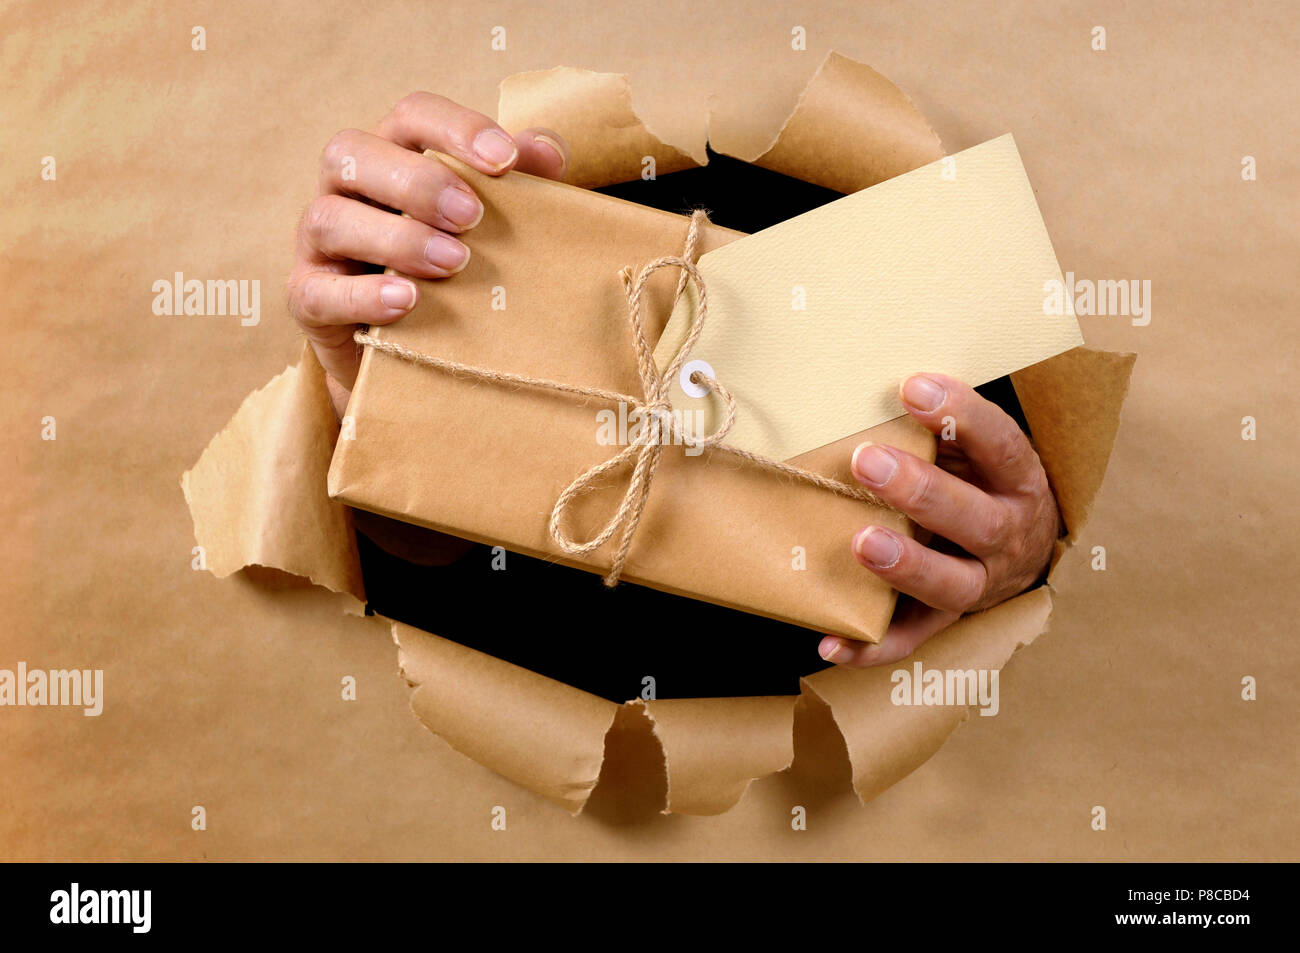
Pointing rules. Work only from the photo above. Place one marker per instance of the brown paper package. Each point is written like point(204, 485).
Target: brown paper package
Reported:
point(678, 756)
point(486, 461)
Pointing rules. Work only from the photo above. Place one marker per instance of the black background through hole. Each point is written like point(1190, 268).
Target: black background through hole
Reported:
point(564, 623)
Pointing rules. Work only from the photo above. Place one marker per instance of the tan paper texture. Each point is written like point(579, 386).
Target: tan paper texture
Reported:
point(225, 693)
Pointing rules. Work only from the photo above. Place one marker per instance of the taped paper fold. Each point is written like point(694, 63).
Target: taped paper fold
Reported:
point(257, 497)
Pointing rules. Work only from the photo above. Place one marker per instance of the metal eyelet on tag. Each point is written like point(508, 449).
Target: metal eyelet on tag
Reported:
point(689, 387)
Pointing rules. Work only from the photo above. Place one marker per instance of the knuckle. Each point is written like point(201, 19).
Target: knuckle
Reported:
point(417, 186)
point(1010, 451)
point(921, 490)
point(341, 144)
point(1014, 549)
point(994, 532)
point(304, 298)
point(359, 298)
point(411, 107)
point(408, 105)
point(322, 216)
point(400, 241)
point(1035, 484)
point(971, 592)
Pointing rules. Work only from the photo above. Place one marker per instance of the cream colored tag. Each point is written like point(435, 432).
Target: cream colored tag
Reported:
point(815, 322)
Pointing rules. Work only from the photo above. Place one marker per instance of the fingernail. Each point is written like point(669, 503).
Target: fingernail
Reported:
point(877, 547)
point(554, 146)
point(874, 465)
point(399, 295)
point(495, 148)
point(445, 252)
point(923, 393)
point(460, 207)
point(829, 649)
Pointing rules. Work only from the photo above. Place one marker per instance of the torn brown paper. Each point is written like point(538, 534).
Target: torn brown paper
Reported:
point(715, 748)
point(257, 492)
point(888, 741)
point(593, 112)
point(851, 128)
point(1072, 404)
point(553, 739)
point(540, 733)
point(1131, 702)
point(631, 755)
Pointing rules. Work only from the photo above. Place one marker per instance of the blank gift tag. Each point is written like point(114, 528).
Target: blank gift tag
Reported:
point(814, 323)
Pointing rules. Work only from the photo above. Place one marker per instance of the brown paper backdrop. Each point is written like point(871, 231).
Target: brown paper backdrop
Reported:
point(225, 693)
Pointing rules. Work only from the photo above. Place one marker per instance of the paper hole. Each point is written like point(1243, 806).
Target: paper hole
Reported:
point(689, 386)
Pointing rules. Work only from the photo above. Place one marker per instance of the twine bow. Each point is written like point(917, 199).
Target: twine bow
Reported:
point(663, 426)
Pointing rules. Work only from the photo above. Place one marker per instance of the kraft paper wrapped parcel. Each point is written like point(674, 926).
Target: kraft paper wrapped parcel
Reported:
point(543, 296)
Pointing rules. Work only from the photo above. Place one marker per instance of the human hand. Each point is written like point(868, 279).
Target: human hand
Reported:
point(354, 226)
point(987, 501)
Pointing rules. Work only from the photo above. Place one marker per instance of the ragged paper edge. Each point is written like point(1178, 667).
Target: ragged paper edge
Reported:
point(555, 740)
point(887, 742)
point(704, 777)
point(542, 734)
point(593, 112)
point(257, 494)
point(295, 400)
point(1074, 436)
point(850, 128)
